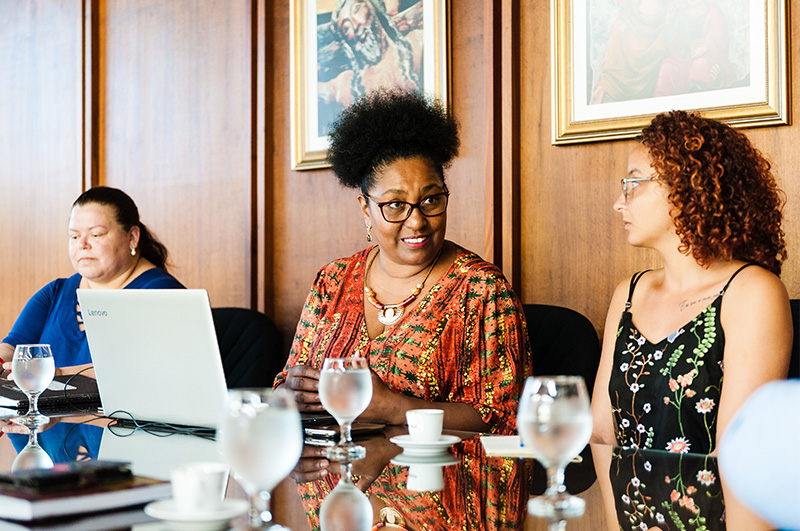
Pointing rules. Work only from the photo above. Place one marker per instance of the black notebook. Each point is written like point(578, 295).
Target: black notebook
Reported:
point(64, 391)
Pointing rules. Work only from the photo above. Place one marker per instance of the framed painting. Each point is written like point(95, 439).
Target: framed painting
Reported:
point(617, 63)
point(343, 49)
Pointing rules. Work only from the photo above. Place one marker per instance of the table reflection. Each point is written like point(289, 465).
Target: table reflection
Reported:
point(63, 441)
point(658, 490)
point(464, 489)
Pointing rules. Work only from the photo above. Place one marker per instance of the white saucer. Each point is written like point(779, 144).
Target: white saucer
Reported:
point(417, 449)
point(165, 510)
point(443, 459)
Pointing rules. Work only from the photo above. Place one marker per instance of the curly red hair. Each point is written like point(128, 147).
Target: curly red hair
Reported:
point(725, 201)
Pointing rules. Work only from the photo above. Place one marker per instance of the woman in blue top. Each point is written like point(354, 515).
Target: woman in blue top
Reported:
point(110, 248)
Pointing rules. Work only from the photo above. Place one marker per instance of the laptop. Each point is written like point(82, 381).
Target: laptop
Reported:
point(155, 355)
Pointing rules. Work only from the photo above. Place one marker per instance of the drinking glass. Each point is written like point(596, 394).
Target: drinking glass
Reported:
point(555, 421)
point(32, 456)
point(261, 438)
point(345, 508)
point(32, 369)
point(345, 389)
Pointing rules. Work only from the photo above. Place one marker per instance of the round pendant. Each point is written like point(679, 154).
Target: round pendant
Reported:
point(389, 316)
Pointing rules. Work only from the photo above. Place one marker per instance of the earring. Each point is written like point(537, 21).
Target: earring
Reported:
point(369, 233)
point(133, 252)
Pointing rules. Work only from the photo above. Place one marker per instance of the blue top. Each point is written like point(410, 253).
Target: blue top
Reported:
point(51, 316)
point(64, 441)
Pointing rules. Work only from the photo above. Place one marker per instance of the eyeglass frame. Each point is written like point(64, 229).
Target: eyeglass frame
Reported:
point(416, 205)
point(624, 182)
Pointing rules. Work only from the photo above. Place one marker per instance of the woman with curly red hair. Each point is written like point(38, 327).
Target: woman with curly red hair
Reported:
point(705, 199)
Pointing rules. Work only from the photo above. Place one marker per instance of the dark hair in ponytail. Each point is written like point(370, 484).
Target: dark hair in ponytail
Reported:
point(127, 215)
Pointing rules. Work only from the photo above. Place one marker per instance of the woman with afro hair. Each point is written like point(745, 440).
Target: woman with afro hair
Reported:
point(704, 198)
point(439, 326)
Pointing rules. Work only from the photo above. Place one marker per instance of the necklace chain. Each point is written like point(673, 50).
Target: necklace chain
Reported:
point(389, 314)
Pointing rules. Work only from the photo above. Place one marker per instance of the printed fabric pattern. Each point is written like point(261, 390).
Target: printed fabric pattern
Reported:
point(466, 340)
point(674, 494)
point(665, 395)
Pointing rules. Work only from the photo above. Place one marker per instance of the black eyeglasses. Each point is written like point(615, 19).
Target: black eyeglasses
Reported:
point(399, 211)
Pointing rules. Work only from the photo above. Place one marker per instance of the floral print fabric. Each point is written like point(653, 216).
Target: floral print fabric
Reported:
point(653, 489)
point(665, 395)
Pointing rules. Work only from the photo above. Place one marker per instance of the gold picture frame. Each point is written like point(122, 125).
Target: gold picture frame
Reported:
point(615, 65)
point(334, 60)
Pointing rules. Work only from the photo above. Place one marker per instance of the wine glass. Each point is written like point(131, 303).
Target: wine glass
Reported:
point(345, 508)
point(32, 456)
point(555, 421)
point(261, 438)
point(32, 369)
point(345, 389)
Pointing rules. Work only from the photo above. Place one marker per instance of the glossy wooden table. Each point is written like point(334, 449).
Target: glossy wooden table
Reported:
point(622, 489)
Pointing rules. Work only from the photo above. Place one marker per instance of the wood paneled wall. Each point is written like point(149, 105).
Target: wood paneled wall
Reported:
point(185, 104)
point(574, 249)
point(41, 157)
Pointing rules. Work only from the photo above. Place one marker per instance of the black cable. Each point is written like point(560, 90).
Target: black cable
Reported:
point(69, 403)
point(158, 429)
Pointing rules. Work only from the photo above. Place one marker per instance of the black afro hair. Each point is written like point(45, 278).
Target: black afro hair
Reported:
point(387, 125)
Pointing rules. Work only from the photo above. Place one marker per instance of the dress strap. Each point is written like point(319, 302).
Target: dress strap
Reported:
point(634, 280)
point(725, 287)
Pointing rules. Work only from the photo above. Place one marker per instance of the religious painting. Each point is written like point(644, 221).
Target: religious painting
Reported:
point(617, 63)
point(343, 49)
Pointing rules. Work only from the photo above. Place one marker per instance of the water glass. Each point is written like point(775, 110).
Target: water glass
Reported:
point(345, 508)
point(555, 421)
point(345, 389)
point(32, 456)
point(260, 436)
point(32, 369)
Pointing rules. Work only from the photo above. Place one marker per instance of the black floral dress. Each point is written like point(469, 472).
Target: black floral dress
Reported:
point(670, 492)
point(665, 395)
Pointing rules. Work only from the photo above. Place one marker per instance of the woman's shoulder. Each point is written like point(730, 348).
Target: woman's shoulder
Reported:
point(751, 284)
point(474, 274)
point(346, 262)
point(469, 261)
point(155, 278)
point(59, 285)
point(336, 271)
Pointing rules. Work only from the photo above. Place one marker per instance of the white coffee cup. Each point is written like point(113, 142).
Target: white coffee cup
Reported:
point(425, 425)
point(199, 487)
point(423, 478)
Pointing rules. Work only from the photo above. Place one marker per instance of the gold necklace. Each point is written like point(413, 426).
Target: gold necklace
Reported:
point(389, 314)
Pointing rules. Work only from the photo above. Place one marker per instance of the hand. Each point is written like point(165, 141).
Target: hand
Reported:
point(386, 406)
point(313, 464)
point(9, 426)
point(380, 452)
point(303, 382)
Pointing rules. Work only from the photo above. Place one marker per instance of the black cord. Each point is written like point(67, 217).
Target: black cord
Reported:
point(158, 429)
point(69, 403)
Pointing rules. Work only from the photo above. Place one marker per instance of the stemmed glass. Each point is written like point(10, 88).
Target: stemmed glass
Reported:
point(345, 389)
point(555, 420)
point(261, 438)
point(345, 508)
point(32, 456)
point(32, 369)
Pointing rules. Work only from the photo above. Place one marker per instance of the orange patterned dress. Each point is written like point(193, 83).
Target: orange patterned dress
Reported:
point(465, 341)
